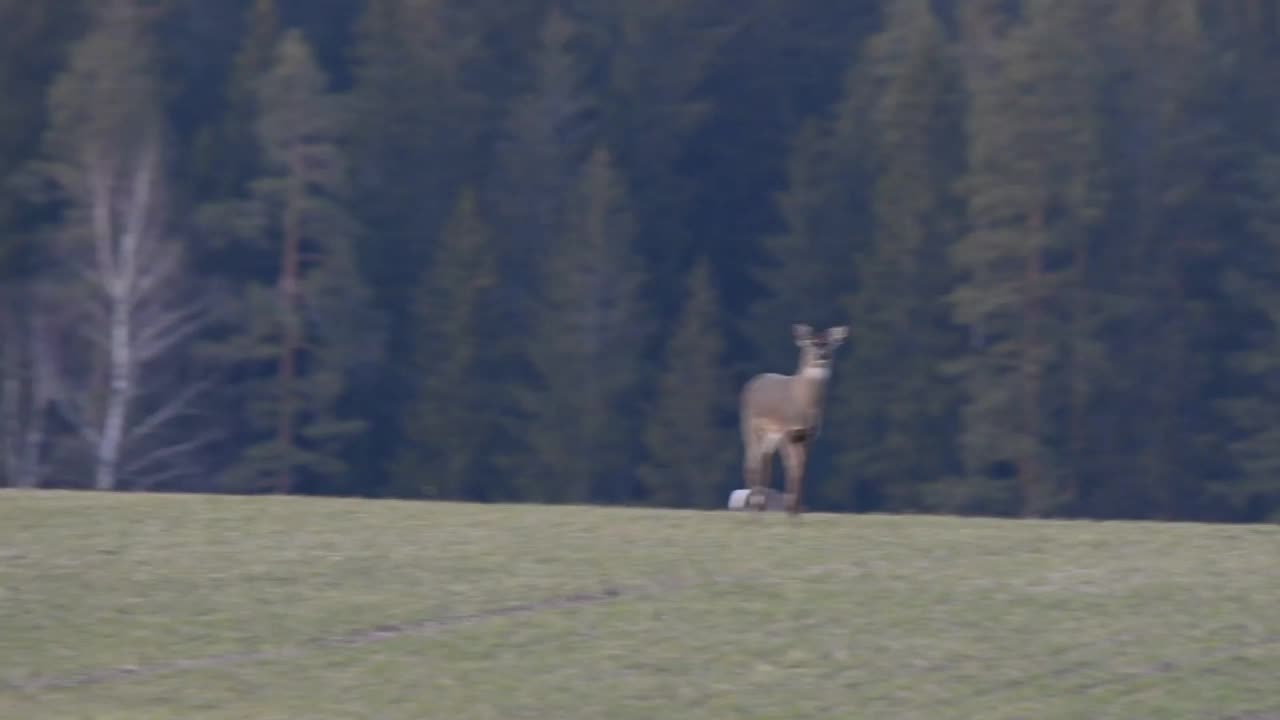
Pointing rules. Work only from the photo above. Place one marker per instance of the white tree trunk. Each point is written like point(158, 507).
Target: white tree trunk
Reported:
point(120, 369)
point(120, 294)
point(117, 246)
point(135, 318)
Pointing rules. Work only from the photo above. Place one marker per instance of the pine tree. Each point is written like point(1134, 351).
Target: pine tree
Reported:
point(809, 266)
point(303, 333)
point(36, 39)
point(236, 154)
point(37, 36)
point(1245, 318)
point(546, 135)
point(690, 449)
point(454, 417)
point(549, 132)
point(756, 208)
point(1180, 161)
point(659, 56)
point(1252, 412)
point(585, 349)
point(415, 143)
point(895, 408)
point(1032, 197)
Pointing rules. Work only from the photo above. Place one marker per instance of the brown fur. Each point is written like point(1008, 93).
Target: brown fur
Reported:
point(782, 413)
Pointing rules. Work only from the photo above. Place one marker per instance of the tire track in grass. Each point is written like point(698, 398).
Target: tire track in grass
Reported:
point(1199, 662)
point(353, 638)
point(1202, 662)
point(701, 577)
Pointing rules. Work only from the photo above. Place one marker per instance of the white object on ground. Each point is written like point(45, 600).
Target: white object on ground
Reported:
point(773, 500)
point(738, 499)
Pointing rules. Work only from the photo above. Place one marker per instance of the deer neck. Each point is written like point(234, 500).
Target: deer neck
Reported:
point(807, 385)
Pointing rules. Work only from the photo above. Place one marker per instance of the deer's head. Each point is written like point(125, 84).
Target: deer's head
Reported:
point(818, 350)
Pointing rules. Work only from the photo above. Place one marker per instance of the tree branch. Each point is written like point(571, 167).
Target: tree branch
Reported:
point(159, 330)
point(167, 412)
point(98, 179)
point(168, 452)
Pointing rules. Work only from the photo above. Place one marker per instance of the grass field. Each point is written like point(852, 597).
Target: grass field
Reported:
point(130, 606)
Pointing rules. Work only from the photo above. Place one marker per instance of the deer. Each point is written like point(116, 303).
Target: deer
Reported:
point(782, 413)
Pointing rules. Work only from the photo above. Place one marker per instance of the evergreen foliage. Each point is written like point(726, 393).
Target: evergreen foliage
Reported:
point(688, 441)
point(306, 324)
point(584, 347)
point(529, 250)
point(453, 419)
point(893, 395)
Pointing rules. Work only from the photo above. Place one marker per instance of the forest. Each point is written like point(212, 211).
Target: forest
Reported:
point(529, 251)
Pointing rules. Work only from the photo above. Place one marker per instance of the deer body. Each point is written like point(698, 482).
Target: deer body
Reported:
point(782, 414)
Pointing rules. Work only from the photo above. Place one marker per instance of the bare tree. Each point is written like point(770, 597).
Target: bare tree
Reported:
point(125, 310)
point(130, 312)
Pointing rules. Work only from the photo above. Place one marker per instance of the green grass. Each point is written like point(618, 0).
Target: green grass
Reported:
point(693, 615)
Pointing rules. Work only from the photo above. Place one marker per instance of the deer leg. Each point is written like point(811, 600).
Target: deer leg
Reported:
point(755, 463)
point(751, 462)
point(793, 456)
point(758, 465)
point(766, 470)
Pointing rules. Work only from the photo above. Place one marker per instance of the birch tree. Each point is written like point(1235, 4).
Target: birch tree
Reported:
point(120, 272)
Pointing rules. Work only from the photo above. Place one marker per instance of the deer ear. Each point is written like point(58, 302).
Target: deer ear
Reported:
point(836, 335)
point(803, 333)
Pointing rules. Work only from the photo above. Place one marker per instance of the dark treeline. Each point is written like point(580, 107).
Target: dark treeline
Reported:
point(524, 250)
